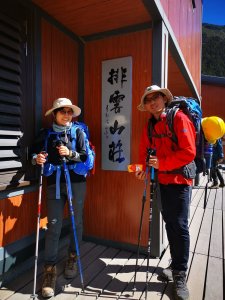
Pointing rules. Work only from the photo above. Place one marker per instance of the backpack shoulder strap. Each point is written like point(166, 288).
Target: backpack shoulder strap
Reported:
point(47, 134)
point(73, 134)
point(151, 132)
point(73, 130)
point(170, 114)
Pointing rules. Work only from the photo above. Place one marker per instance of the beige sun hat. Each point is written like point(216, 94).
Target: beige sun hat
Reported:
point(64, 102)
point(154, 89)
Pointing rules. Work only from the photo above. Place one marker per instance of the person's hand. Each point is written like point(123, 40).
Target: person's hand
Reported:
point(63, 150)
point(41, 158)
point(153, 162)
point(140, 175)
point(219, 161)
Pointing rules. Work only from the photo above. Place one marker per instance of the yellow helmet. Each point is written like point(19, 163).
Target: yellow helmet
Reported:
point(213, 128)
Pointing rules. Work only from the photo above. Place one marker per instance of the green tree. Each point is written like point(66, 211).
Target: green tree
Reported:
point(213, 50)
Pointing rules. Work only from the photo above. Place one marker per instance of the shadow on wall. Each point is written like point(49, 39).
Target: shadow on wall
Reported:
point(18, 221)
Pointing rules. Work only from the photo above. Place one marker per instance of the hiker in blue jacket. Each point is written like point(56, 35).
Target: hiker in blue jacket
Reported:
point(216, 159)
point(58, 145)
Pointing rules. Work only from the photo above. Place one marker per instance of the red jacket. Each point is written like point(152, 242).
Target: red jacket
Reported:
point(171, 155)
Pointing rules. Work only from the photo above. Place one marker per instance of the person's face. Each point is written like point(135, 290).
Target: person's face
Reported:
point(155, 103)
point(64, 116)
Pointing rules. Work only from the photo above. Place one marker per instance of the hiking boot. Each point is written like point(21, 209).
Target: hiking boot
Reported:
point(49, 281)
point(180, 287)
point(71, 266)
point(222, 185)
point(167, 273)
point(214, 186)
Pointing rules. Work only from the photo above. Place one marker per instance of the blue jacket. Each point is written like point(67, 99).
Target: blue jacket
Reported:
point(217, 152)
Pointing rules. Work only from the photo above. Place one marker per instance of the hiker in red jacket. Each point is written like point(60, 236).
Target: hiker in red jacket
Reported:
point(170, 161)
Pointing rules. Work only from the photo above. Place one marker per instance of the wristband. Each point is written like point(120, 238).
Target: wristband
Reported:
point(33, 160)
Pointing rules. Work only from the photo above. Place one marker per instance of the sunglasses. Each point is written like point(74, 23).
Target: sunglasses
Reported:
point(153, 98)
point(66, 112)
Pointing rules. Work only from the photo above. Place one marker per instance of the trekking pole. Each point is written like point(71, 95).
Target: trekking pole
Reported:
point(140, 227)
point(69, 196)
point(208, 151)
point(152, 189)
point(34, 296)
point(206, 188)
point(141, 220)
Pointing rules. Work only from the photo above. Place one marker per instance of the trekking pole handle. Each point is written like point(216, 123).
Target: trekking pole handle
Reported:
point(59, 143)
point(150, 152)
point(44, 153)
point(152, 174)
point(151, 155)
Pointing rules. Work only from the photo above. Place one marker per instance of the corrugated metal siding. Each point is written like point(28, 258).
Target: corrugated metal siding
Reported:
point(59, 68)
point(213, 102)
point(94, 16)
point(186, 24)
point(114, 199)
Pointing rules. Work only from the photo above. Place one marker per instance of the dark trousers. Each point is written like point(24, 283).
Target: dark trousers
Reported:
point(55, 213)
point(175, 201)
point(216, 174)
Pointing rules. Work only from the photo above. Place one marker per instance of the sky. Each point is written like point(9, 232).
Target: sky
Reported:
point(214, 12)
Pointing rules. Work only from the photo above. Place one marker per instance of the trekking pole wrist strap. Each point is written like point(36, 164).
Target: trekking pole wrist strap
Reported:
point(74, 155)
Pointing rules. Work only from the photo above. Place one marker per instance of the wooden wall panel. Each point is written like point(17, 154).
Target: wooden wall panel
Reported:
point(186, 24)
point(59, 67)
point(114, 198)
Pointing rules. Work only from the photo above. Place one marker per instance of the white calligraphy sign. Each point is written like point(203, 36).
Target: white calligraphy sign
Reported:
point(116, 113)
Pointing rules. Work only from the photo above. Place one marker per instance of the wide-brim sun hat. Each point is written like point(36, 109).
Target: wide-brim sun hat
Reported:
point(154, 89)
point(64, 102)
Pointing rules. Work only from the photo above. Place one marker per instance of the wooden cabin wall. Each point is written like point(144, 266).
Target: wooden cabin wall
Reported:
point(114, 198)
point(186, 24)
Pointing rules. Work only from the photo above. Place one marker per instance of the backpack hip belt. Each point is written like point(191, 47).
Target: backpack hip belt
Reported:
point(50, 168)
point(188, 171)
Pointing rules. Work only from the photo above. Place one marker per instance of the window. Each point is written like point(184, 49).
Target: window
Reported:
point(15, 111)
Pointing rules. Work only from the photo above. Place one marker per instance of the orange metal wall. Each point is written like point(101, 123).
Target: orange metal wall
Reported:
point(186, 24)
point(86, 17)
point(18, 216)
point(114, 199)
point(59, 67)
point(179, 86)
point(213, 102)
point(113, 204)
